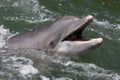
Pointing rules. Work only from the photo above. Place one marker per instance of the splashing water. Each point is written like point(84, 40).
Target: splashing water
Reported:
point(22, 64)
point(26, 10)
point(39, 65)
point(4, 34)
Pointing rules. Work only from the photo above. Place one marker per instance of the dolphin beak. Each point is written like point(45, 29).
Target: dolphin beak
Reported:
point(89, 17)
point(73, 41)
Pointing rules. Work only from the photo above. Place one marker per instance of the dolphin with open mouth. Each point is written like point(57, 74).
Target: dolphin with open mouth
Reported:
point(64, 35)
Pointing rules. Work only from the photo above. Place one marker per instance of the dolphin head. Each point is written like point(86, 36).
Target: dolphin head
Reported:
point(64, 35)
point(72, 41)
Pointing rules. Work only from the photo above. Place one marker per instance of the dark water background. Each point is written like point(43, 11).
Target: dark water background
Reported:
point(103, 63)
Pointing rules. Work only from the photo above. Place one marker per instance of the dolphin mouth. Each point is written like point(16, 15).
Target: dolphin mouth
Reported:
point(76, 35)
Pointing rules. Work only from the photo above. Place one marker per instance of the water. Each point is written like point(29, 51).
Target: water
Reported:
point(17, 16)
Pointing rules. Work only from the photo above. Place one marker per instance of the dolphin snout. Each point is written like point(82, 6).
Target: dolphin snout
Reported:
point(100, 40)
point(89, 17)
point(97, 41)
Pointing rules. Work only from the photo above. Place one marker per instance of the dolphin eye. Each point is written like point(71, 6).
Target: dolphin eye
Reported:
point(52, 44)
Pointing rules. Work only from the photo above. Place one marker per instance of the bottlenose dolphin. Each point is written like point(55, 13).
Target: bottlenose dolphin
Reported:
point(64, 35)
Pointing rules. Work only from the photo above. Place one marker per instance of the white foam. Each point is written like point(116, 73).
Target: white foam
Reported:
point(28, 69)
point(44, 78)
point(89, 70)
point(4, 34)
point(25, 67)
point(118, 26)
point(21, 64)
point(63, 78)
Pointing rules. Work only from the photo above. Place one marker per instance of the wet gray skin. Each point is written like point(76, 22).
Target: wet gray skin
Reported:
point(64, 35)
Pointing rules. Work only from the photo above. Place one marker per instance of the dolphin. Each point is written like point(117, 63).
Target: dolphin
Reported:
point(63, 36)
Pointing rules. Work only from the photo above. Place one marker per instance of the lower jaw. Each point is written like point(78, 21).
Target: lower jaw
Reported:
point(96, 40)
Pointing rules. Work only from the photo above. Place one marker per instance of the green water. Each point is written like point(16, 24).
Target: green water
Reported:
point(22, 15)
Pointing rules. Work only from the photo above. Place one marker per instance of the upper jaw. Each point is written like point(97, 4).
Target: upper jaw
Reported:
point(85, 22)
point(79, 30)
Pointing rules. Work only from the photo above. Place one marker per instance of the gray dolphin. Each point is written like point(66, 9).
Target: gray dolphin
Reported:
point(64, 35)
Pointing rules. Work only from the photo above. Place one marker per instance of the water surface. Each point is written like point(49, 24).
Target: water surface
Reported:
point(17, 16)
